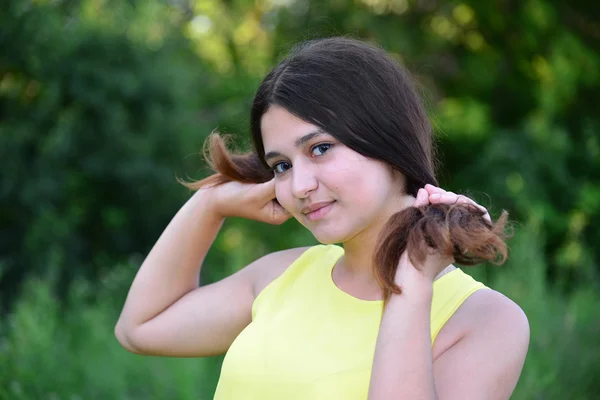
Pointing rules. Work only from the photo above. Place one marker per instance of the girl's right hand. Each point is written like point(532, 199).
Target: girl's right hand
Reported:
point(256, 201)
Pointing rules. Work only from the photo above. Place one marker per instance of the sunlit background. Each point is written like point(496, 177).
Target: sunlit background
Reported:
point(104, 103)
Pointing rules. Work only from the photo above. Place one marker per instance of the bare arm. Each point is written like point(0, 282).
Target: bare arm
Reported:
point(484, 364)
point(166, 313)
point(486, 361)
point(403, 362)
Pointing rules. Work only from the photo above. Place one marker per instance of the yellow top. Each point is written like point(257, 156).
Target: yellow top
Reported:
point(310, 340)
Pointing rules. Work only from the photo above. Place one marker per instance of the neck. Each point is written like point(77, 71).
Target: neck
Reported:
point(360, 250)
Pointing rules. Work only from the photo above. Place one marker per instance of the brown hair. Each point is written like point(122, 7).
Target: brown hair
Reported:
point(357, 93)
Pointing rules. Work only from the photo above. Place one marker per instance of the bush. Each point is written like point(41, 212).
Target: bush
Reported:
point(49, 352)
point(95, 122)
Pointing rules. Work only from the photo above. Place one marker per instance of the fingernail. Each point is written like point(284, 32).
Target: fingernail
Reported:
point(435, 196)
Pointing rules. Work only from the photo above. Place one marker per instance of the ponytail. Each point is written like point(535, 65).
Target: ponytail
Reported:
point(229, 166)
point(457, 231)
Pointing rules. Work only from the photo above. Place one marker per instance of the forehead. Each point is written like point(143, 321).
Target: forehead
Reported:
point(280, 128)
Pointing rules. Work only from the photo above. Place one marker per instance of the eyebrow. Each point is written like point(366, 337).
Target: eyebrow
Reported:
point(299, 142)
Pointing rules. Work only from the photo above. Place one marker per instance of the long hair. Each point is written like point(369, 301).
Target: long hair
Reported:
point(365, 99)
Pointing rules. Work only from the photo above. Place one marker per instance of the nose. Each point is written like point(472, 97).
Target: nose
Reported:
point(304, 180)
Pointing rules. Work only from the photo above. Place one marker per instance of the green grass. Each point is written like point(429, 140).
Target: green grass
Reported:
point(48, 354)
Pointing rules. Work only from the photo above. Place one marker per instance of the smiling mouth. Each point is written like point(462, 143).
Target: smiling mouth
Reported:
point(319, 213)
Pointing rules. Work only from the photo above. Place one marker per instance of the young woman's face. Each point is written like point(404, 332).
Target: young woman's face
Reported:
point(330, 189)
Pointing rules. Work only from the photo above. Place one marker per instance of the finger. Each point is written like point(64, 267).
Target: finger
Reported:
point(280, 216)
point(277, 214)
point(422, 198)
point(431, 189)
point(267, 190)
point(442, 198)
point(487, 217)
point(460, 199)
point(486, 214)
point(468, 200)
point(452, 198)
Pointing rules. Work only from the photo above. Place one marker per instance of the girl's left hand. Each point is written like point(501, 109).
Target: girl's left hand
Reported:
point(434, 263)
point(435, 195)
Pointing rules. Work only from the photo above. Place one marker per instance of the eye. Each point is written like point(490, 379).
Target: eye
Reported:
point(320, 149)
point(281, 167)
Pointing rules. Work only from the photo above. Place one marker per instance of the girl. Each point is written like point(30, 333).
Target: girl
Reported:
point(341, 143)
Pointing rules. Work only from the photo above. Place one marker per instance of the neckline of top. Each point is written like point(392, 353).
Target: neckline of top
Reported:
point(345, 295)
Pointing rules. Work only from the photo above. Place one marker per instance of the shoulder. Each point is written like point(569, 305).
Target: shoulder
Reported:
point(269, 267)
point(487, 358)
point(490, 319)
point(490, 308)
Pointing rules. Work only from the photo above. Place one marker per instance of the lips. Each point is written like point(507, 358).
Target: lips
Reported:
point(319, 210)
point(315, 206)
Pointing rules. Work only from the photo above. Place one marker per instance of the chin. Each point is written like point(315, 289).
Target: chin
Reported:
point(326, 236)
point(330, 241)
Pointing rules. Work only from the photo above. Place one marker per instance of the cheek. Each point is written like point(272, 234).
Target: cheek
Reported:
point(342, 175)
point(355, 177)
point(364, 186)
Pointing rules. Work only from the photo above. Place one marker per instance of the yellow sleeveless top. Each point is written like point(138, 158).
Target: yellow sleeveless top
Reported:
point(309, 340)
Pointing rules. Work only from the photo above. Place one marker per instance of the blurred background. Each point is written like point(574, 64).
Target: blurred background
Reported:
point(103, 103)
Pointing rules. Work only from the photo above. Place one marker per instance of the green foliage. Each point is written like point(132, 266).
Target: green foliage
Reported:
point(50, 355)
point(563, 352)
point(104, 102)
point(94, 125)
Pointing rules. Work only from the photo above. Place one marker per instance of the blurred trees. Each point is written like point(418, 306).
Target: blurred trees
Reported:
point(104, 102)
point(101, 102)
point(96, 116)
